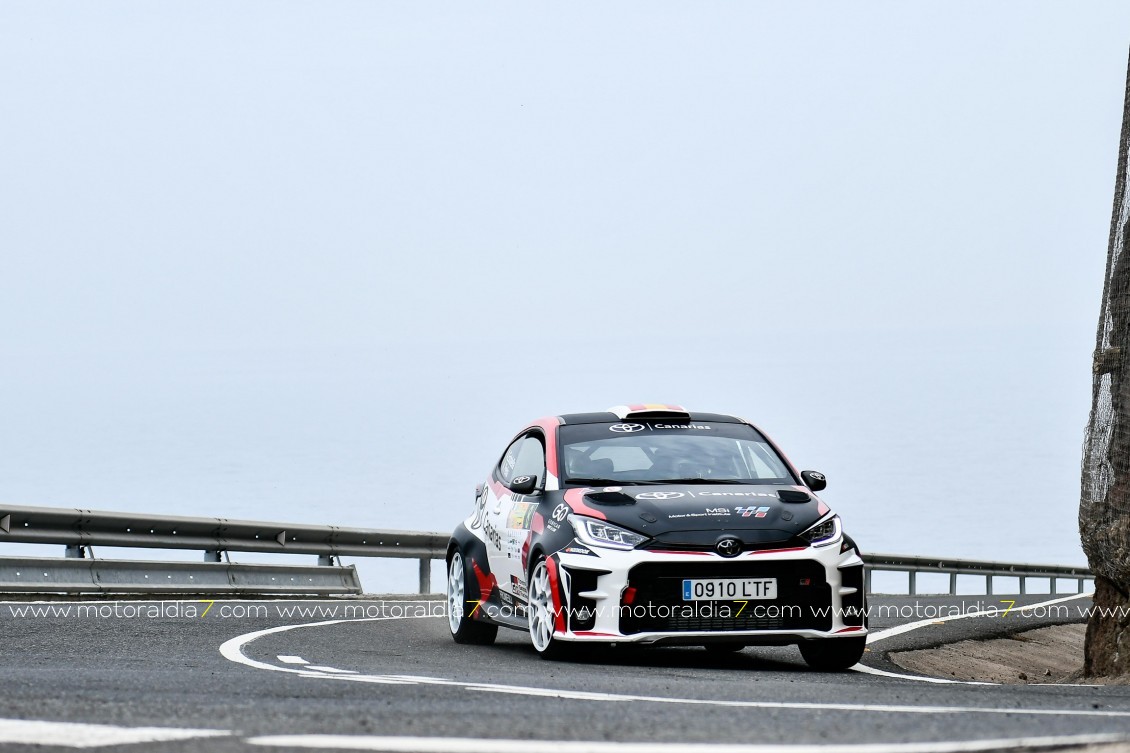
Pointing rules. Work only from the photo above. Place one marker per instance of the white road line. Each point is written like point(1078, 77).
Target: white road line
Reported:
point(72, 735)
point(291, 659)
point(331, 670)
point(233, 651)
point(911, 626)
point(476, 745)
point(920, 678)
point(375, 679)
point(581, 695)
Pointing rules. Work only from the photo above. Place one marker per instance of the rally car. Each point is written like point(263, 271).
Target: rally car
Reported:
point(651, 524)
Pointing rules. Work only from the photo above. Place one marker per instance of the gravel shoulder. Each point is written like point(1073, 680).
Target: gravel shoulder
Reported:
point(1044, 655)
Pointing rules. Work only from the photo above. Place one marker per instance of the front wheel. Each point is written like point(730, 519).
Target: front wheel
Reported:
point(833, 654)
point(464, 629)
point(542, 613)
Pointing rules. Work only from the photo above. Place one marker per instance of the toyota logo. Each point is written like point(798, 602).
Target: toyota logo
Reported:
point(728, 547)
point(626, 428)
point(659, 495)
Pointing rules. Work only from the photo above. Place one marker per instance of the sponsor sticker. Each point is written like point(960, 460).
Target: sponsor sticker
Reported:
point(626, 428)
point(757, 512)
point(521, 514)
point(659, 495)
point(560, 512)
point(492, 534)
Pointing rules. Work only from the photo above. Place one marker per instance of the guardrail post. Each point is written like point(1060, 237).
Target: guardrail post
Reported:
point(912, 580)
point(866, 580)
point(1080, 585)
point(325, 560)
point(953, 584)
point(988, 585)
point(211, 555)
point(74, 551)
point(425, 575)
point(1023, 585)
point(1052, 585)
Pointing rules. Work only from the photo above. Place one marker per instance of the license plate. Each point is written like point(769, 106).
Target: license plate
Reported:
point(729, 589)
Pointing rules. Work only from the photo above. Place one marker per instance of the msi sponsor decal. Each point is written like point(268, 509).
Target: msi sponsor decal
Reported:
point(757, 512)
point(718, 511)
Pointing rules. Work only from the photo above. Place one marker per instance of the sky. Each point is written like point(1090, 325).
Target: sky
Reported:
point(319, 261)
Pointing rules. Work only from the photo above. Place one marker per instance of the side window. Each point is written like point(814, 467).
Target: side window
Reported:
point(524, 457)
point(509, 461)
point(531, 458)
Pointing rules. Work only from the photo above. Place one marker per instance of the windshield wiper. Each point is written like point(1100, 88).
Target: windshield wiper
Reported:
point(611, 481)
point(704, 481)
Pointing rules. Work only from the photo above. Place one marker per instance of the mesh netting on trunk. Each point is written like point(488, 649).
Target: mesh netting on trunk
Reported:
point(1104, 507)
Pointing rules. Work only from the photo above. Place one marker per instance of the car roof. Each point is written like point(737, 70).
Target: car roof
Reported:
point(645, 411)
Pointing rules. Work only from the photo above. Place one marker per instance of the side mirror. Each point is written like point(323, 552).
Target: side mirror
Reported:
point(524, 484)
point(814, 480)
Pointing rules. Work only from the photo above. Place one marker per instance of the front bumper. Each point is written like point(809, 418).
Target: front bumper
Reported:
point(629, 597)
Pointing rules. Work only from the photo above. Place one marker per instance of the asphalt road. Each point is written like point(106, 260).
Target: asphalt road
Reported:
point(147, 664)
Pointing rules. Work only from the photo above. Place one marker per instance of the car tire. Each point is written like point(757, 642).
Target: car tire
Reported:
point(540, 613)
point(833, 654)
point(464, 628)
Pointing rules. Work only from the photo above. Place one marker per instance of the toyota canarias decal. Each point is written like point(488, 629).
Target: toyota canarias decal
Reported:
point(626, 428)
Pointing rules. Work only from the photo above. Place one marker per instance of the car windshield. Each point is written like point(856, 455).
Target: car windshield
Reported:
point(652, 452)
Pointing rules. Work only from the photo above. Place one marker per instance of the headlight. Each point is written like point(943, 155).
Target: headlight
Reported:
point(599, 533)
point(823, 533)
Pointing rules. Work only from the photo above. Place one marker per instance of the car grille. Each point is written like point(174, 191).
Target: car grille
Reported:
point(803, 598)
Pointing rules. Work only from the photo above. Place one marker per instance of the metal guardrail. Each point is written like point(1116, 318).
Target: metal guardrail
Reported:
point(79, 530)
point(955, 567)
point(85, 575)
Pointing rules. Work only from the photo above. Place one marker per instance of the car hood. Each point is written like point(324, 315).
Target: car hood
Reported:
point(696, 515)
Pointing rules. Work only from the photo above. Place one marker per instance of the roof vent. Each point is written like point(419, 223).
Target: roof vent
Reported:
point(649, 410)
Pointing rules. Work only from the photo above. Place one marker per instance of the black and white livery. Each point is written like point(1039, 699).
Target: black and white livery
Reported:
point(652, 524)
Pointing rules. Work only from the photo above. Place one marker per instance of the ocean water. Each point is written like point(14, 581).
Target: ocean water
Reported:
point(960, 444)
